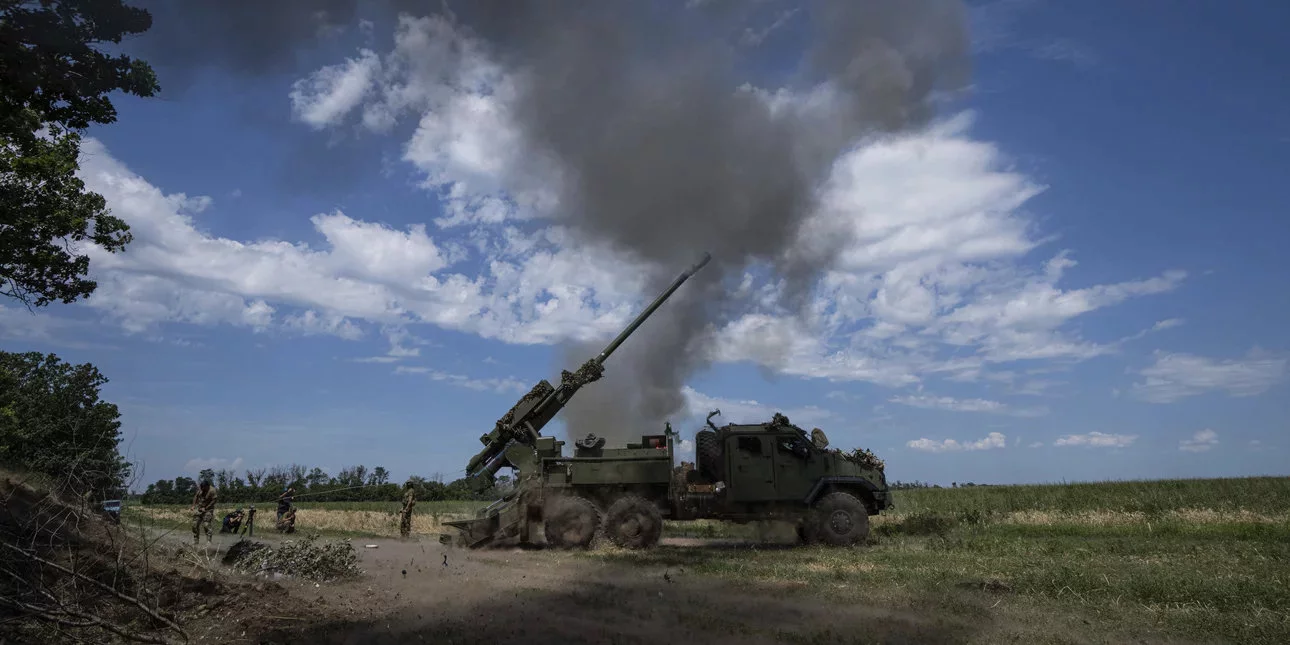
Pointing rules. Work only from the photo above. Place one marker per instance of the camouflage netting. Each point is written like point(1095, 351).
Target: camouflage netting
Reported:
point(539, 391)
point(865, 458)
point(298, 558)
point(589, 372)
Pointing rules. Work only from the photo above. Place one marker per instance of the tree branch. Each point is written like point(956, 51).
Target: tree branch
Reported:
point(86, 620)
point(135, 601)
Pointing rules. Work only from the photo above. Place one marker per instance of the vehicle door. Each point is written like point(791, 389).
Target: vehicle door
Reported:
point(752, 469)
point(796, 466)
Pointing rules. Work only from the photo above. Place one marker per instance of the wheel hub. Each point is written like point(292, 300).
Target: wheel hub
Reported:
point(631, 527)
point(840, 521)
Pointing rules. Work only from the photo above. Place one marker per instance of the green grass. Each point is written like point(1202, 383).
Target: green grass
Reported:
point(1207, 560)
point(1203, 560)
point(1256, 494)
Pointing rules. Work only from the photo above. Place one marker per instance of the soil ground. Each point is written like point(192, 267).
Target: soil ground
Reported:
point(407, 594)
point(542, 596)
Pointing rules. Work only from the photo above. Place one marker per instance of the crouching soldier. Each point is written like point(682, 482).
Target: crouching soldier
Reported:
point(203, 511)
point(287, 522)
point(232, 522)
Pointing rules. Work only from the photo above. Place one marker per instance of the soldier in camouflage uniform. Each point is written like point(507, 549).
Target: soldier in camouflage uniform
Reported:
point(203, 510)
point(405, 516)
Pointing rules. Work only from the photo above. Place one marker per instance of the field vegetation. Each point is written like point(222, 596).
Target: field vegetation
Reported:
point(1196, 559)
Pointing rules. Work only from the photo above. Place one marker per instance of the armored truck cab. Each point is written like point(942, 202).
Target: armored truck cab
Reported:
point(773, 471)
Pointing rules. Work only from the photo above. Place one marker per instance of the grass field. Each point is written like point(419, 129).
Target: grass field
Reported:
point(1205, 559)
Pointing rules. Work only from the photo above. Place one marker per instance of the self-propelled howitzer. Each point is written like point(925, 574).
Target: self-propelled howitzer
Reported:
point(524, 422)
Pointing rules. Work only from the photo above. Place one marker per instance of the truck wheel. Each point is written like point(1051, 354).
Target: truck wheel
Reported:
point(570, 522)
point(838, 519)
point(633, 522)
point(708, 452)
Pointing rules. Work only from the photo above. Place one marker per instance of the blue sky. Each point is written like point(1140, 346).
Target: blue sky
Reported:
point(1075, 273)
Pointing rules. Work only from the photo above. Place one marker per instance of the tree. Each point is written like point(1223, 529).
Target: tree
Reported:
point(53, 84)
point(52, 422)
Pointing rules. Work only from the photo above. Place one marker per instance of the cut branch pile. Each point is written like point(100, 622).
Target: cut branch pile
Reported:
point(306, 558)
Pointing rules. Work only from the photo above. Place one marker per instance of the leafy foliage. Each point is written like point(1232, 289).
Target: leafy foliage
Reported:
point(52, 421)
point(54, 83)
point(865, 458)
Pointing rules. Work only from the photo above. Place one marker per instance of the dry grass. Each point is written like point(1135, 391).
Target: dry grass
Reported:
point(323, 520)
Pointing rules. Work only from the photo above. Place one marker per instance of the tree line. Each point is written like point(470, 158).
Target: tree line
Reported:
point(352, 484)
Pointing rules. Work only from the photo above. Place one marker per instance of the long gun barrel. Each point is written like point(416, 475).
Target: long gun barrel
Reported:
point(525, 421)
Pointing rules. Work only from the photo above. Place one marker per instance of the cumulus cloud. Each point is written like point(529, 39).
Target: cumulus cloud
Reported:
point(1096, 440)
point(965, 405)
point(1199, 442)
point(698, 405)
point(499, 385)
point(173, 272)
point(1176, 376)
point(327, 95)
point(991, 441)
point(938, 278)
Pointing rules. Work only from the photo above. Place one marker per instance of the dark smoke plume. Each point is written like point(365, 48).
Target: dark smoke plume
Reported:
point(663, 150)
point(664, 157)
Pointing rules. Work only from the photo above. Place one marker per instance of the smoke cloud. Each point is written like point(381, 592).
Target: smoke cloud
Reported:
point(663, 146)
point(666, 152)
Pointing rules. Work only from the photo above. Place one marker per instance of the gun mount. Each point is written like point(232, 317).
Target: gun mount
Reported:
point(523, 423)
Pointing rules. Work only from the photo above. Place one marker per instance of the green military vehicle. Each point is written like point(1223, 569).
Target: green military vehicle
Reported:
point(744, 473)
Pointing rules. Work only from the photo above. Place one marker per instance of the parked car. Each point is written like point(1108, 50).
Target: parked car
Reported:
point(112, 508)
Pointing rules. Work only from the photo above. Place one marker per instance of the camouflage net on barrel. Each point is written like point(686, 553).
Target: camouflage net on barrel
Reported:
point(539, 391)
point(589, 372)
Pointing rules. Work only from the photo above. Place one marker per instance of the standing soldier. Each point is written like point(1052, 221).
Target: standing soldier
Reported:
point(203, 510)
point(285, 501)
point(405, 516)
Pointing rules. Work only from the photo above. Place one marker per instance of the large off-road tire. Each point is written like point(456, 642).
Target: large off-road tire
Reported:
point(570, 522)
point(633, 522)
point(707, 451)
point(837, 519)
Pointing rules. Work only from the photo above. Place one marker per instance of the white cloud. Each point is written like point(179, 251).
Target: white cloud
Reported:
point(323, 98)
point(698, 405)
point(1175, 376)
point(197, 464)
point(175, 273)
point(499, 385)
point(1097, 440)
point(939, 281)
point(1037, 444)
point(1199, 442)
point(965, 405)
point(991, 441)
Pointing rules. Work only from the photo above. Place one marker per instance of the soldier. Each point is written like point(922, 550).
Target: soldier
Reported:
point(285, 500)
point(818, 438)
point(405, 516)
point(203, 510)
point(232, 522)
point(287, 523)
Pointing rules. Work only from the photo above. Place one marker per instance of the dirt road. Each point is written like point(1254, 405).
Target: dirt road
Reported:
point(538, 596)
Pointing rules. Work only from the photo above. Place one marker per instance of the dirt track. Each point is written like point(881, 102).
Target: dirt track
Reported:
point(552, 597)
